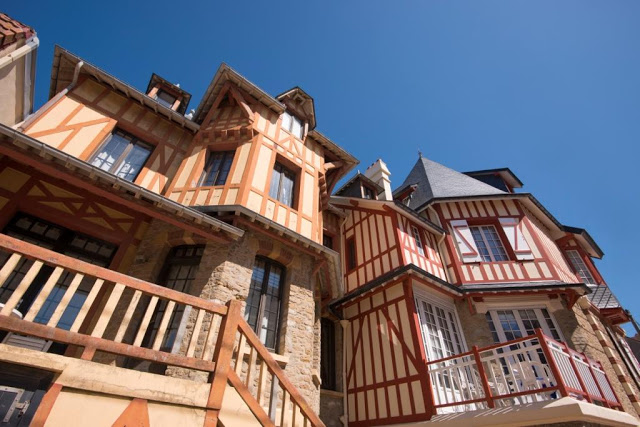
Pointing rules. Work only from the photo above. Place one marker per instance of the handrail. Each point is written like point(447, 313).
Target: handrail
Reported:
point(97, 327)
point(523, 370)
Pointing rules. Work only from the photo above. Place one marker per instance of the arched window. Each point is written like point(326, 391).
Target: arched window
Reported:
point(264, 301)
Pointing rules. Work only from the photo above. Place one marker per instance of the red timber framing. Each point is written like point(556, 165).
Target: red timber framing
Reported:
point(386, 376)
point(384, 241)
point(548, 263)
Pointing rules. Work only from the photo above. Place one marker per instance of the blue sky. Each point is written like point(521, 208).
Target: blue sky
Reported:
point(547, 88)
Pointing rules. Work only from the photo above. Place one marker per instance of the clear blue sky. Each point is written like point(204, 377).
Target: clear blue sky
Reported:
point(550, 89)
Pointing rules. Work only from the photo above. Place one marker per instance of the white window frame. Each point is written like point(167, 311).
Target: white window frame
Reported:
point(417, 238)
point(492, 256)
point(290, 123)
point(448, 306)
point(493, 312)
point(580, 267)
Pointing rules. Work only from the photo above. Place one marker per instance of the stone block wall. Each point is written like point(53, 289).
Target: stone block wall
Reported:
point(224, 274)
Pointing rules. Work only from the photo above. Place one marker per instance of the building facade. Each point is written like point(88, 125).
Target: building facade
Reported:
point(159, 267)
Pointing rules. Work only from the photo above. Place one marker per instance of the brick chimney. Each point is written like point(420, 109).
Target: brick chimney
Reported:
point(379, 173)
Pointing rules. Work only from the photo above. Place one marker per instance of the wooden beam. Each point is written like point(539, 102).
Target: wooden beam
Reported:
point(89, 186)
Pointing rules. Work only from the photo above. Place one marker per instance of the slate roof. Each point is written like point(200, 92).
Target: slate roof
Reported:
point(12, 31)
point(438, 181)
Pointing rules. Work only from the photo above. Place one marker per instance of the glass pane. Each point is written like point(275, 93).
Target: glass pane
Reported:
point(286, 121)
point(495, 244)
point(165, 99)
point(275, 182)
point(296, 129)
point(509, 324)
point(255, 293)
point(224, 169)
point(110, 151)
point(212, 168)
point(482, 247)
point(287, 189)
point(134, 162)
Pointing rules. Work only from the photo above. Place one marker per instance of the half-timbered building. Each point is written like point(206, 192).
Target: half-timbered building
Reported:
point(161, 265)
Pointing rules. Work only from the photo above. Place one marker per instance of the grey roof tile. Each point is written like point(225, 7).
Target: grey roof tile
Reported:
point(435, 181)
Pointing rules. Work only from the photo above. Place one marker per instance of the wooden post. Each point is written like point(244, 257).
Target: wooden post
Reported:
point(483, 377)
point(578, 375)
point(222, 355)
point(562, 388)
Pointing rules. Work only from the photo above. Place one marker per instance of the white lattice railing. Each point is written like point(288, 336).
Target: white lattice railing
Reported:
point(526, 370)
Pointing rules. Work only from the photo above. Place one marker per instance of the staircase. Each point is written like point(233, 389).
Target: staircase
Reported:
point(247, 386)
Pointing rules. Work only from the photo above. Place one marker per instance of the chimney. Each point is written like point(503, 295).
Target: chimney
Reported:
point(379, 173)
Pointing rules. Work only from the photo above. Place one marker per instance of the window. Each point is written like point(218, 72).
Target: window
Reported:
point(292, 124)
point(165, 99)
point(418, 240)
point(580, 267)
point(440, 330)
point(488, 243)
point(217, 168)
point(351, 254)
point(282, 185)
point(263, 303)
point(369, 193)
point(178, 273)
point(328, 355)
point(507, 325)
point(327, 241)
point(122, 155)
point(58, 239)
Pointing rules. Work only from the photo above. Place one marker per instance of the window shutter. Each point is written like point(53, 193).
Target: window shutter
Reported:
point(513, 229)
point(466, 245)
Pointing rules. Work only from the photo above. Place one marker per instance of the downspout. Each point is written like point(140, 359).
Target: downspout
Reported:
point(76, 73)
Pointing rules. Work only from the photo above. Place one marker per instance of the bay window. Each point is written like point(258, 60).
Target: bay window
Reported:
point(507, 325)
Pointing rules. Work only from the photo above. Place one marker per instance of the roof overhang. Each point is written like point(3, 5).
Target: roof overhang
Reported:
point(585, 240)
point(26, 149)
point(61, 76)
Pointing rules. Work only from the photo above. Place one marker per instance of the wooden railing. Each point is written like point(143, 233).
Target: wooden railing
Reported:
point(530, 369)
point(116, 317)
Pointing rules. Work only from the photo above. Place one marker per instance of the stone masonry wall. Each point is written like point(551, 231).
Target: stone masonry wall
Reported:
point(225, 273)
point(574, 327)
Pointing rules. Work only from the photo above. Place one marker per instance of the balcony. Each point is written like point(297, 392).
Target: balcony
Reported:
point(115, 315)
point(523, 371)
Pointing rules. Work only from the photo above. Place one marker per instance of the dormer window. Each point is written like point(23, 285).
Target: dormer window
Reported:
point(368, 193)
point(165, 99)
point(292, 125)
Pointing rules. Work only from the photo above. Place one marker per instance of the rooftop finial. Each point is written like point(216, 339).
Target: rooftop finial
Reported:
point(419, 154)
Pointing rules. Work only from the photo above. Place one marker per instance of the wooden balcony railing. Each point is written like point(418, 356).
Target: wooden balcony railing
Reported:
point(116, 316)
point(530, 369)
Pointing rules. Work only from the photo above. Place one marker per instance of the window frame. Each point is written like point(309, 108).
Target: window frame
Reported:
point(164, 102)
point(328, 355)
point(367, 190)
point(498, 330)
point(294, 178)
point(417, 238)
point(570, 254)
point(132, 142)
point(351, 254)
point(492, 257)
point(289, 129)
point(269, 263)
point(208, 164)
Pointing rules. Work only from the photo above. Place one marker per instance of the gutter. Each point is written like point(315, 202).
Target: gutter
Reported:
point(30, 45)
point(139, 192)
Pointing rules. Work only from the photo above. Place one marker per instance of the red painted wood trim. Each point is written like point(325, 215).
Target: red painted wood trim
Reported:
point(46, 405)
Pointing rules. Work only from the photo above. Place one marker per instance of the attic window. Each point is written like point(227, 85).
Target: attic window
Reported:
point(292, 125)
point(368, 193)
point(165, 99)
